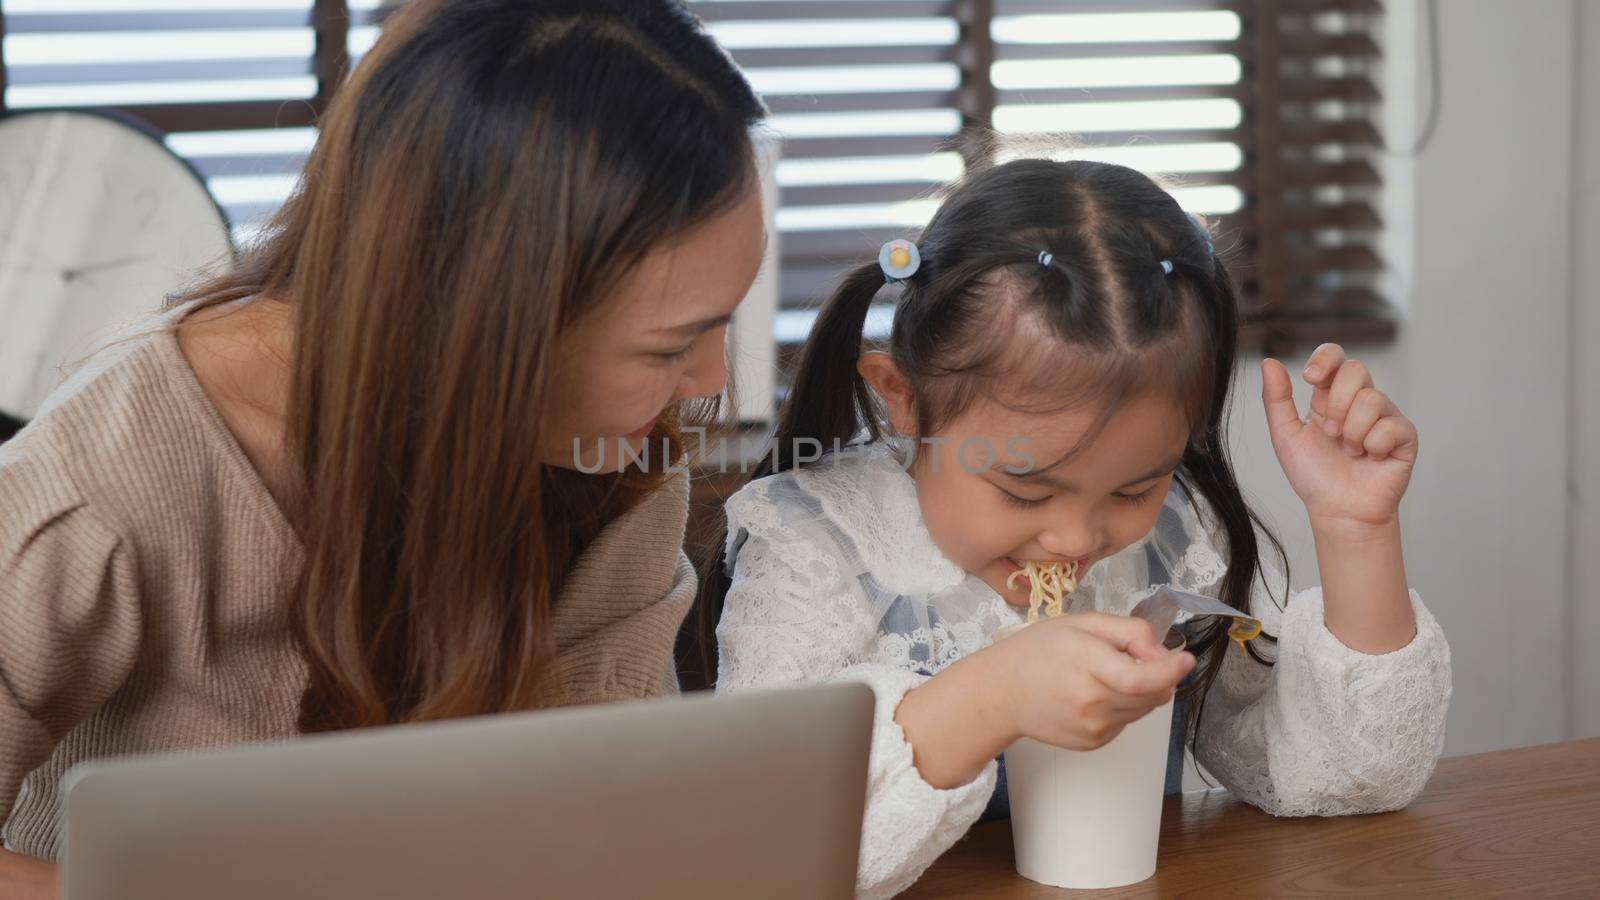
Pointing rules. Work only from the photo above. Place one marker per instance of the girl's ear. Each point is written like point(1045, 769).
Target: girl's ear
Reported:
point(883, 375)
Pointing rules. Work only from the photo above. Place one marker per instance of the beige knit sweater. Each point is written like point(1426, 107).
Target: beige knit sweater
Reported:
point(141, 564)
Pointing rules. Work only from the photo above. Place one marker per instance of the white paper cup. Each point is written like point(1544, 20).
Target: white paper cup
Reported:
point(1090, 819)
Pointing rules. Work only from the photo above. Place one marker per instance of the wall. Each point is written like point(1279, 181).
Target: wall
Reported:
point(1584, 409)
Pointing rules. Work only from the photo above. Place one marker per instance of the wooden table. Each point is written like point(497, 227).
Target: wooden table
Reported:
point(1523, 823)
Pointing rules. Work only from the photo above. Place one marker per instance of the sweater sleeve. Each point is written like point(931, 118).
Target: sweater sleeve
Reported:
point(791, 617)
point(1327, 730)
point(70, 621)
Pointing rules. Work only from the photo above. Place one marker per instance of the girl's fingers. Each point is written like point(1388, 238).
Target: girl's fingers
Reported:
point(1392, 436)
point(1325, 363)
point(1369, 406)
point(1123, 633)
point(1122, 674)
point(1277, 395)
point(1350, 379)
point(1129, 708)
point(1147, 651)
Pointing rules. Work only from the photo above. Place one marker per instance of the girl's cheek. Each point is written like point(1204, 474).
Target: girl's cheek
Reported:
point(964, 514)
point(951, 533)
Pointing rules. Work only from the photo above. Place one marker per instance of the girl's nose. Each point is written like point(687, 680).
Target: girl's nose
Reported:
point(1072, 539)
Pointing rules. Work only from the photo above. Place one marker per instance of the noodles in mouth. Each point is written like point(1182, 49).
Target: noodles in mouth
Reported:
point(1048, 585)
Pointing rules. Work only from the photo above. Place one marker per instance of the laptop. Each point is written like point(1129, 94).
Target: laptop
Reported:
point(756, 794)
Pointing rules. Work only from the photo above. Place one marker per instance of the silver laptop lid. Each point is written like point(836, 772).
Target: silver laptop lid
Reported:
point(750, 795)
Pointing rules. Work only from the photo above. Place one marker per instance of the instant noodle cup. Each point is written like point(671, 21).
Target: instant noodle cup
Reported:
point(1091, 818)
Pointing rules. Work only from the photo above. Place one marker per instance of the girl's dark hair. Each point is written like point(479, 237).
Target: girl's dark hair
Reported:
point(484, 179)
point(1068, 251)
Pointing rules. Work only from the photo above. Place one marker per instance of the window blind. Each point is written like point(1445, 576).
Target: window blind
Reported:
point(866, 98)
point(1315, 173)
point(1258, 113)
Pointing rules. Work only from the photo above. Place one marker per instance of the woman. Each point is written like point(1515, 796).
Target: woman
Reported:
point(340, 486)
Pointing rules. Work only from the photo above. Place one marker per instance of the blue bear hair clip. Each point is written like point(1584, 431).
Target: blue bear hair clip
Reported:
point(899, 260)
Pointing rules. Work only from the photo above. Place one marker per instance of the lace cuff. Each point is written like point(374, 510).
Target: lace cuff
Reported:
point(908, 822)
point(1329, 658)
point(1385, 712)
point(1331, 731)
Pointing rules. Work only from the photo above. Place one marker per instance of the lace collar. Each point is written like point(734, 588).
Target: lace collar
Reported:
point(870, 498)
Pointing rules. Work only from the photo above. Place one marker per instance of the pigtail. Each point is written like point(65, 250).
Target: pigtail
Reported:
point(1208, 472)
point(829, 402)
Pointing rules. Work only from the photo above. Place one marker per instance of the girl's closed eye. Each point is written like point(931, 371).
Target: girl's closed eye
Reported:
point(1022, 502)
point(1143, 496)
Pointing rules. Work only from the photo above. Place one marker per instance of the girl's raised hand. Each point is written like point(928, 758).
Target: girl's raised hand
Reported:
point(1350, 459)
point(1077, 680)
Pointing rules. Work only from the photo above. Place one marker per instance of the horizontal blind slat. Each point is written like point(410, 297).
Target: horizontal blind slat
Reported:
point(1132, 94)
point(1353, 300)
point(102, 22)
point(183, 70)
point(249, 212)
point(236, 116)
point(1042, 52)
point(783, 104)
point(1356, 45)
point(1305, 175)
point(1310, 262)
point(249, 164)
point(1354, 216)
point(1301, 89)
point(816, 57)
point(1155, 137)
point(803, 285)
point(1350, 132)
point(1057, 7)
point(839, 194)
point(712, 12)
point(871, 145)
point(841, 245)
point(1325, 6)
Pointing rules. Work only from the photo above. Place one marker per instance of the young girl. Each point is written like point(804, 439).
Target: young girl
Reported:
point(1055, 389)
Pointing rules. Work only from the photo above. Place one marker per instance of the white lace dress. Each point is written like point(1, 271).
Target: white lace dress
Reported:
point(836, 577)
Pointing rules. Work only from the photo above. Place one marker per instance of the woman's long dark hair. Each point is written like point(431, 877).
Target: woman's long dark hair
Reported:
point(1117, 326)
point(484, 179)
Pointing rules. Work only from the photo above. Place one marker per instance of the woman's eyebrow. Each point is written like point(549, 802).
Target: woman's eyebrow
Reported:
point(699, 327)
point(1045, 476)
